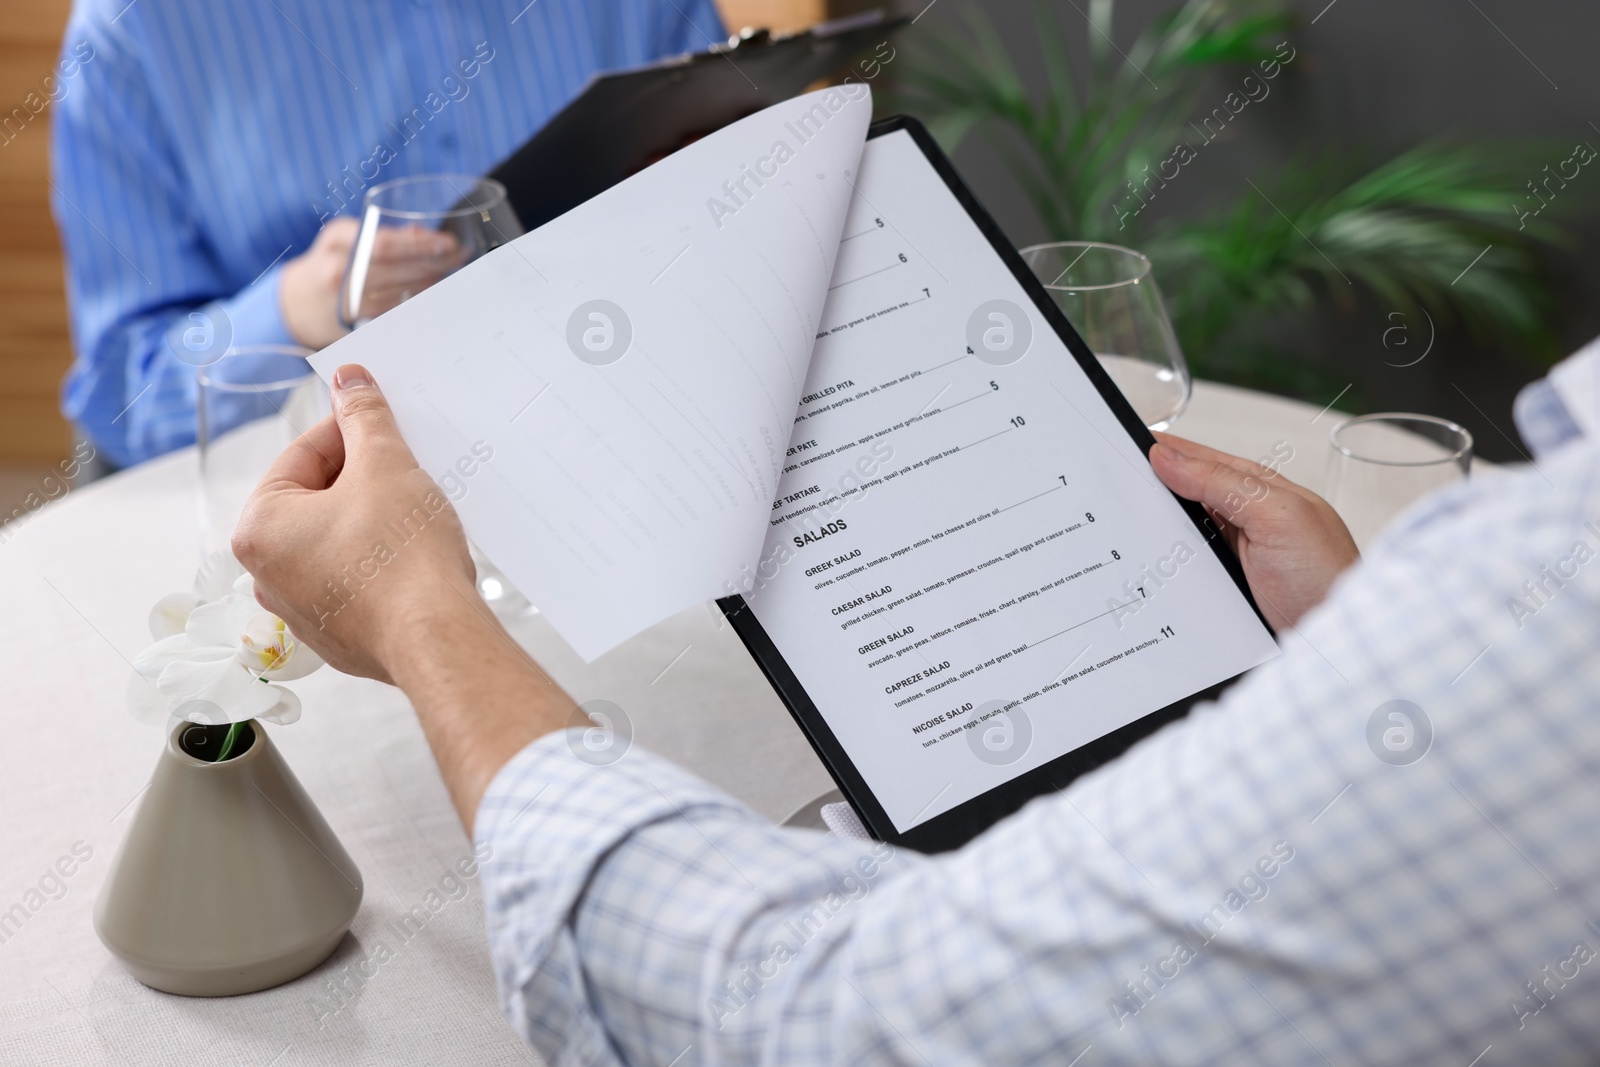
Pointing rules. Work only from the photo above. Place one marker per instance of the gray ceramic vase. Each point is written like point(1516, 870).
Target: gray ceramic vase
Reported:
point(228, 880)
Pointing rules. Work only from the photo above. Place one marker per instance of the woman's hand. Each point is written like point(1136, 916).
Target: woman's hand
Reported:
point(1291, 542)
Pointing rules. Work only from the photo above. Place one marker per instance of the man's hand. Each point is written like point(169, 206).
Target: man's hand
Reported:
point(1291, 542)
point(355, 547)
point(405, 260)
point(351, 543)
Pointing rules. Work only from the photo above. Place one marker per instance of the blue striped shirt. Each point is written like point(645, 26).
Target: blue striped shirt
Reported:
point(201, 145)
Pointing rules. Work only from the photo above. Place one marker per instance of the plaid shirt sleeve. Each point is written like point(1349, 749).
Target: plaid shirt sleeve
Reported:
point(1379, 848)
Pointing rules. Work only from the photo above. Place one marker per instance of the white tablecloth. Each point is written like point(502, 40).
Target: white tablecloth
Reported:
point(76, 582)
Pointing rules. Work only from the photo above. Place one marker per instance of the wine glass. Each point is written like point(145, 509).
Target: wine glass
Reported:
point(414, 232)
point(1380, 464)
point(1109, 295)
point(251, 404)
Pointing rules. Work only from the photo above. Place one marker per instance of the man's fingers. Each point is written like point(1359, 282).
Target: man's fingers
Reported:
point(339, 234)
point(398, 244)
point(410, 276)
point(371, 436)
point(1224, 490)
point(1196, 450)
point(311, 461)
point(385, 293)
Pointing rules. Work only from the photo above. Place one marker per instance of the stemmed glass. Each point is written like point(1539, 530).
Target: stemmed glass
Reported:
point(414, 232)
point(251, 405)
point(1109, 295)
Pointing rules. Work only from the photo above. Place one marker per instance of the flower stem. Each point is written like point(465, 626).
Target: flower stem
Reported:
point(234, 731)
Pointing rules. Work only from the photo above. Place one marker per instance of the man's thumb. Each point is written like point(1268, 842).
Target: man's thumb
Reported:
point(365, 421)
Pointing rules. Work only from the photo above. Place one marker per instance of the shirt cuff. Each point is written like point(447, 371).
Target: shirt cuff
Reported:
point(1543, 419)
point(254, 314)
point(549, 819)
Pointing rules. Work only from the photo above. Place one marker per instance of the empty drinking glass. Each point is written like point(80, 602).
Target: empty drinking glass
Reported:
point(252, 403)
point(1109, 295)
point(414, 232)
point(1382, 463)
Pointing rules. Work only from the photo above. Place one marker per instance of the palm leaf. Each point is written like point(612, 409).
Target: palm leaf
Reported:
point(1405, 233)
point(1085, 139)
point(1402, 233)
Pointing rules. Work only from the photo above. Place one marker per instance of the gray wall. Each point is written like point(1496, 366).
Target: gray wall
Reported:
point(1381, 76)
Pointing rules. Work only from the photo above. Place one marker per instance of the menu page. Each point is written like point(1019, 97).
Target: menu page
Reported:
point(605, 400)
point(970, 566)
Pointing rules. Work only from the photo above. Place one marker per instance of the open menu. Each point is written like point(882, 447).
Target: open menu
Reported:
point(964, 533)
point(786, 363)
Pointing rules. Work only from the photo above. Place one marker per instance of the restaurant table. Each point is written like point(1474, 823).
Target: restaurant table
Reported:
point(77, 580)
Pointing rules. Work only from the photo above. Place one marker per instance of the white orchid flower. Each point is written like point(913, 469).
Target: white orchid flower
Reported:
point(217, 655)
point(219, 575)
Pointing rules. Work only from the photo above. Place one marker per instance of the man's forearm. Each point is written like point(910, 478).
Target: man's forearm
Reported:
point(479, 696)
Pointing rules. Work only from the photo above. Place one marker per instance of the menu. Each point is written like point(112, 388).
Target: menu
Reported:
point(970, 565)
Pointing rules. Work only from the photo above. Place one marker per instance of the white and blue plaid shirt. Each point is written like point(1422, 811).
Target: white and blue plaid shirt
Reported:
point(1254, 884)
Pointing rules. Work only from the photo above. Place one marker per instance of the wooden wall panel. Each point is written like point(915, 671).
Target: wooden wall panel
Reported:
point(784, 16)
point(35, 349)
point(779, 17)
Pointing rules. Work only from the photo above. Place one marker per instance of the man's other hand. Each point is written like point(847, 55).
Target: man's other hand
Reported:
point(405, 260)
point(352, 544)
point(1291, 542)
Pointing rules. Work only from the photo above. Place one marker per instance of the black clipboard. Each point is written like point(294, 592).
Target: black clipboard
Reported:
point(956, 827)
point(625, 120)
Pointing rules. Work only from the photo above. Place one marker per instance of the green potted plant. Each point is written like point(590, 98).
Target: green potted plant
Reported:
point(1095, 151)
